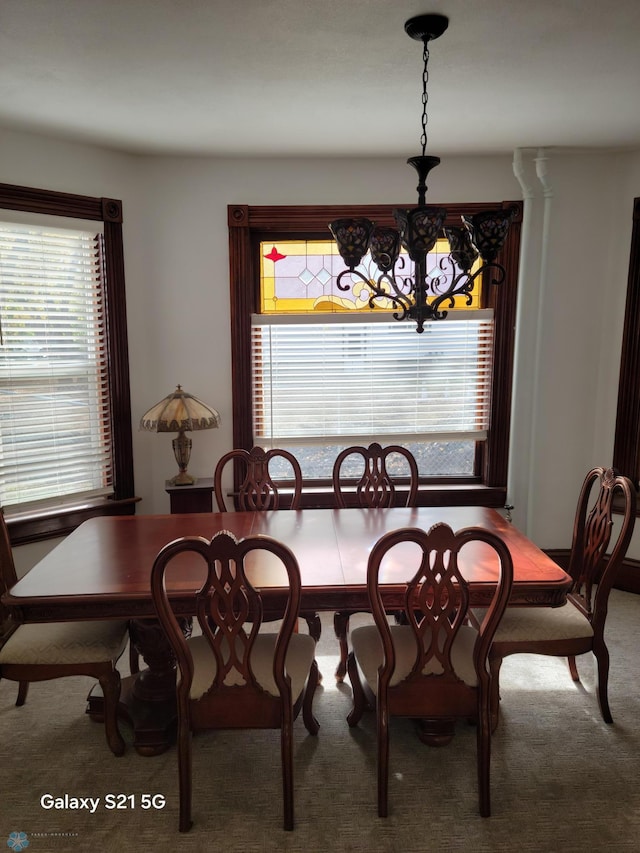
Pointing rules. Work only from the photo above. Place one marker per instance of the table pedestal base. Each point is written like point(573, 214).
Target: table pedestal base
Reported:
point(153, 723)
point(436, 732)
point(148, 698)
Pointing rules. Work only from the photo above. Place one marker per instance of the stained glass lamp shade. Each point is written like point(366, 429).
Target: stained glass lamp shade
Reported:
point(180, 412)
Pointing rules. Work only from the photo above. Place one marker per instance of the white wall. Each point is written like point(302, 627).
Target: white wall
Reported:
point(176, 259)
point(570, 328)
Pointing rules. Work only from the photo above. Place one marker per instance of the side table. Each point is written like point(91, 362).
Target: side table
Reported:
point(195, 498)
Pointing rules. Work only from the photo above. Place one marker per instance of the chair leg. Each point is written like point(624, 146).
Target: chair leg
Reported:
point(341, 629)
point(383, 760)
point(314, 624)
point(23, 689)
point(286, 740)
point(360, 703)
point(573, 667)
point(134, 660)
point(184, 776)
point(310, 722)
point(110, 684)
point(484, 757)
point(601, 653)
point(495, 662)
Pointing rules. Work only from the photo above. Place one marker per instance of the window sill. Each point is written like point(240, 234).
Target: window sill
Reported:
point(52, 522)
point(436, 495)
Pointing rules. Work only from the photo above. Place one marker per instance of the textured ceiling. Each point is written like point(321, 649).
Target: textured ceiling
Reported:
point(318, 77)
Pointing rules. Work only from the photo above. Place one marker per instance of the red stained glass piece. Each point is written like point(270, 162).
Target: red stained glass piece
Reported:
point(274, 255)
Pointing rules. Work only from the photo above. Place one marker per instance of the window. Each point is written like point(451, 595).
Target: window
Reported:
point(328, 369)
point(65, 434)
point(306, 382)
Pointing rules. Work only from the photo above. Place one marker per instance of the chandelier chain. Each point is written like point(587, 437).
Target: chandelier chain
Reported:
point(425, 96)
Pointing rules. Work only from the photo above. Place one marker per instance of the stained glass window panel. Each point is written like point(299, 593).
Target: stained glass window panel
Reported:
point(301, 276)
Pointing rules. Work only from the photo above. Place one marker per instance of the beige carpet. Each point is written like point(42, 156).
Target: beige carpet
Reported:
point(561, 779)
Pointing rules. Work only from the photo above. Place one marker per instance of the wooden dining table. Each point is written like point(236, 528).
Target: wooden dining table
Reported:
point(102, 571)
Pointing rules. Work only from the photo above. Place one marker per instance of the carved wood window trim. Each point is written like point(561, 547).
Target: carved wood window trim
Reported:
point(30, 526)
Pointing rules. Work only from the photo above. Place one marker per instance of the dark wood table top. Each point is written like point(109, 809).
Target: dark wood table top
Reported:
point(102, 569)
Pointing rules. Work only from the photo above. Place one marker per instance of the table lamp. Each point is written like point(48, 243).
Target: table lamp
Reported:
point(179, 412)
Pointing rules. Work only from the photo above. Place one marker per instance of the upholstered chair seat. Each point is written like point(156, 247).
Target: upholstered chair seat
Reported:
point(369, 654)
point(542, 624)
point(298, 662)
point(65, 643)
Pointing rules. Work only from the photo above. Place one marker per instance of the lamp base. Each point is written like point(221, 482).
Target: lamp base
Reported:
point(182, 452)
point(183, 479)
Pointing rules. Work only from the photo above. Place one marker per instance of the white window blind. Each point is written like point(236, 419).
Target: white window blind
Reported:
point(55, 436)
point(315, 381)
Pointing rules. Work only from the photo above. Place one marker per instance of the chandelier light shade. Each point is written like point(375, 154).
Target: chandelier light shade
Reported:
point(180, 412)
point(422, 297)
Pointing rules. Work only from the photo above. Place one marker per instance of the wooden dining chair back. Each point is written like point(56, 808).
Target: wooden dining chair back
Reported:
point(44, 651)
point(435, 664)
point(258, 490)
point(233, 675)
point(578, 626)
point(377, 486)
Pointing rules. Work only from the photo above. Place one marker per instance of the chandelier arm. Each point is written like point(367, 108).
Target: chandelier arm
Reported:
point(498, 272)
point(401, 302)
point(400, 308)
point(463, 284)
point(351, 272)
point(396, 294)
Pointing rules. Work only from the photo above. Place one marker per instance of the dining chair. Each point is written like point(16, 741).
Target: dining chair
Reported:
point(434, 666)
point(577, 627)
point(232, 675)
point(376, 487)
point(259, 491)
point(48, 650)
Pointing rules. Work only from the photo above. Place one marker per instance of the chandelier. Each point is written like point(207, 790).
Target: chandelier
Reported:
point(426, 295)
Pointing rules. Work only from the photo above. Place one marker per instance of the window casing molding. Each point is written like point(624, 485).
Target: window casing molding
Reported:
point(58, 521)
point(250, 224)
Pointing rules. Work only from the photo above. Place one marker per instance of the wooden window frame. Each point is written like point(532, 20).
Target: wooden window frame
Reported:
point(248, 225)
point(29, 526)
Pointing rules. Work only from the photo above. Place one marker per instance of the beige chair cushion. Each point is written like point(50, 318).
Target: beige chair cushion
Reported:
point(367, 648)
point(300, 655)
point(522, 624)
point(65, 642)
